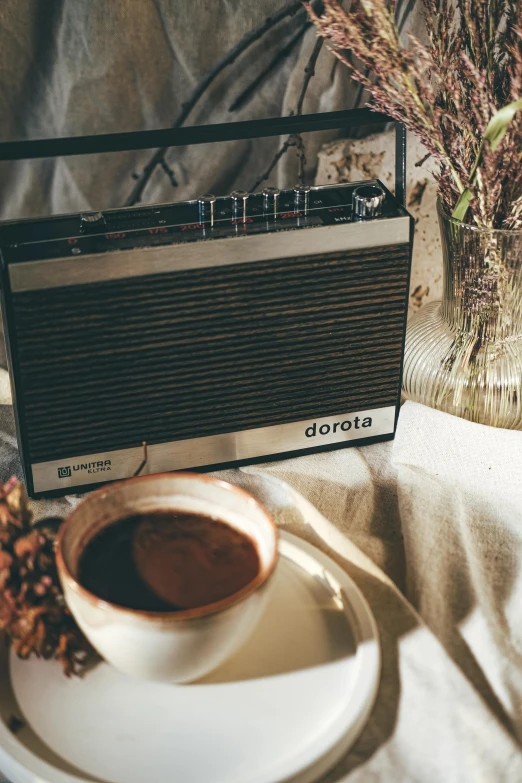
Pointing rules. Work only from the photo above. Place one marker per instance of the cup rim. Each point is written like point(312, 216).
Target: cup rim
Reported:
point(184, 614)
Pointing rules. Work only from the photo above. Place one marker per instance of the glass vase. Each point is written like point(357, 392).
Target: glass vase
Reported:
point(463, 355)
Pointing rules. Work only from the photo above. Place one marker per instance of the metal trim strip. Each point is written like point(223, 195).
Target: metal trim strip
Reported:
point(117, 265)
point(215, 449)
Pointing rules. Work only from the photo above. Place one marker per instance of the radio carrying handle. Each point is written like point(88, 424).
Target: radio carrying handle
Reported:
point(205, 134)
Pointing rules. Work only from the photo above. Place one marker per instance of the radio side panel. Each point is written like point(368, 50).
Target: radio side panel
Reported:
point(13, 364)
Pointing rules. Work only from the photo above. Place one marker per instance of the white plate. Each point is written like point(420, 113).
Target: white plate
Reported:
point(285, 708)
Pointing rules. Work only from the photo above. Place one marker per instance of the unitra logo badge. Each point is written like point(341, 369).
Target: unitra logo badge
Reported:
point(90, 467)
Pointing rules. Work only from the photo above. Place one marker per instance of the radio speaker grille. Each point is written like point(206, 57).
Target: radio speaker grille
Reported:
point(171, 356)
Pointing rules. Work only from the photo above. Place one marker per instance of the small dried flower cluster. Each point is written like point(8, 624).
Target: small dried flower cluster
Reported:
point(33, 612)
point(448, 92)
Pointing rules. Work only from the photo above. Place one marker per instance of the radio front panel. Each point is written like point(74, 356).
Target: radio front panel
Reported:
point(224, 348)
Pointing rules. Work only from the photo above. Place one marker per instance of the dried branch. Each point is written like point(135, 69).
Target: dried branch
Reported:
point(309, 73)
point(288, 10)
point(243, 98)
point(295, 139)
point(170, 174)
point(423, 160)
point(290, 142)
point(301, 156)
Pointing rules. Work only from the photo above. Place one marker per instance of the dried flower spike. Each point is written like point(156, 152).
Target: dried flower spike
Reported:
point(461, 93)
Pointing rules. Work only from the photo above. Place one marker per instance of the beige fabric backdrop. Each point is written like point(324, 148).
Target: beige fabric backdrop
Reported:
point(91, 66)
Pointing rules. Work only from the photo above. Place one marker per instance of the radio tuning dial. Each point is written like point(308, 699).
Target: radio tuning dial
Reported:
point(271, 202)
point(206, 206)
point(302, 198)
point(367, 201)
point(239, 204)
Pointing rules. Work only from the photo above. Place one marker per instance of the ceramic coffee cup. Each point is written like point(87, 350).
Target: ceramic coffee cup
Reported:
point(177, 646)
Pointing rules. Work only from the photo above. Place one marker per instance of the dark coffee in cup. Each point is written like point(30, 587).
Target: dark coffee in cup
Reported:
point(167, 561)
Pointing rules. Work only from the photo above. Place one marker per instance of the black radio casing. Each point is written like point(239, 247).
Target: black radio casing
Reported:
point(234, 338)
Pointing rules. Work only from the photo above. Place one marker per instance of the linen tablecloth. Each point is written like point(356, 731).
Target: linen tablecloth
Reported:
point(429, 526)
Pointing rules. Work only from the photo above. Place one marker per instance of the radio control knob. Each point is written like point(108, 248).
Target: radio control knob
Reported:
point(302, 198)
point(92, 221)
point(239, 204)
point(367, 201)
point(206, 205)
point(271, 202)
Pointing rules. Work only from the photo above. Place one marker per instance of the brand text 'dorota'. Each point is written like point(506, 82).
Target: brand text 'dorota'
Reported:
point(344, 426)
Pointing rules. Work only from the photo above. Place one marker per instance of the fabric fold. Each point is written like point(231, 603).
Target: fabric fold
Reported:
point(460, 498)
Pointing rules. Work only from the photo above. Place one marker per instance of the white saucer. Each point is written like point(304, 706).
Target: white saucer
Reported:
point(285, 708)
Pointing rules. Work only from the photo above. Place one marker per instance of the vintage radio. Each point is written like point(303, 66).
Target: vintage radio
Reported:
point(217, 331)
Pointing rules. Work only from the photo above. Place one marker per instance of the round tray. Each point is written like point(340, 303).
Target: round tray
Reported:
point(286, 707)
